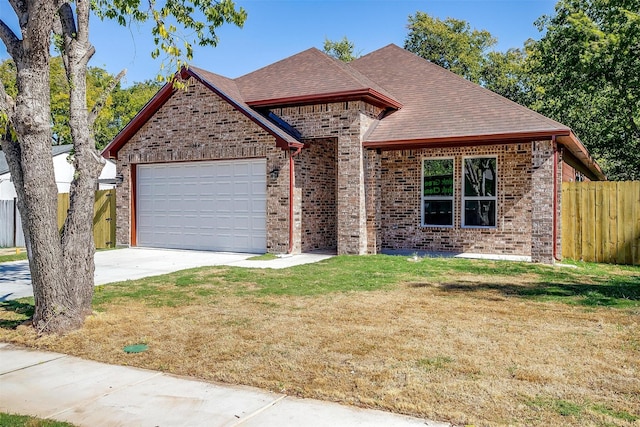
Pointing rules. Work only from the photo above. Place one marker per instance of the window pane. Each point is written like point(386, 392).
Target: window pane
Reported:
point(438, 177)
point(438, 212)
point(480, 177)
point(480, 213)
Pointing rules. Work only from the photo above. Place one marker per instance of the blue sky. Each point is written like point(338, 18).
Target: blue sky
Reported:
point(276, 29)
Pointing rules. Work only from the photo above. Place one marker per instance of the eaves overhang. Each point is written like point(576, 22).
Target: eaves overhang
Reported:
point(578, 157)
point(283, 139)
point(154, 104)
point(452, 141)
point(371, 96)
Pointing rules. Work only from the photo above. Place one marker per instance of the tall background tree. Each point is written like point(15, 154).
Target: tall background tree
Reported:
point(583, 72)
point(61, 262)
point(586, 74)
point(455, 45)
point(119, 106)
point(341, 49)
point(450, 43)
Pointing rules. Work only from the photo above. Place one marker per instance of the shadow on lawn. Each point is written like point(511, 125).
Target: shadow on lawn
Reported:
point(21, 308)
point(614, 292)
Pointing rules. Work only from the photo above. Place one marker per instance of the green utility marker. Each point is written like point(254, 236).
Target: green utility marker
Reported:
point(136, 348)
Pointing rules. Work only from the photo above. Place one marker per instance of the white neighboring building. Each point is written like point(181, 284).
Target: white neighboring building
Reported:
point(63, 172)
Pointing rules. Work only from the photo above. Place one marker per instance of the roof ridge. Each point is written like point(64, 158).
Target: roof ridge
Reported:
point(360, 78)
point(244, 108)
point(242, 77)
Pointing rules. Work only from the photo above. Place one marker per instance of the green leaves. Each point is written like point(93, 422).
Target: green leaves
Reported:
point(342, 49)
point(454, 45)
point(583, 72)
point(451, 43)
point(120, 106)
point(587, 71)
point(178, 25)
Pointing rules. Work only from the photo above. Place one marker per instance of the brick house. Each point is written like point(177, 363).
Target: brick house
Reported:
point(386, 153)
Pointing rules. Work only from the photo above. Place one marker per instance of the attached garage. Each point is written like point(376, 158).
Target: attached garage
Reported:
point(208, 205)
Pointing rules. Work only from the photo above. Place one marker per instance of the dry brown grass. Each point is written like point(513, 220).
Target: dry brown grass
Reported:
point(426, 349)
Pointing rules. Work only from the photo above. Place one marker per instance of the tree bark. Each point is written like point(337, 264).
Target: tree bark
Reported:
point(61, 262)
point(77, 234)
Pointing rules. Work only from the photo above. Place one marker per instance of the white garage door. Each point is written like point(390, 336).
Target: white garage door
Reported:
point(218, 205)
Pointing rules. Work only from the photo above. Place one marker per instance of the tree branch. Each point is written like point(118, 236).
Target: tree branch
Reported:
point(20, 11)
point(67, 21)
point(97, 107)
point(87, 55)
point(10, 40)
point(82, 13)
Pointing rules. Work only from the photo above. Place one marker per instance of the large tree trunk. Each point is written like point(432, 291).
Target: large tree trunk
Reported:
point(61, 262)
point(77, 236)
point(31, 167)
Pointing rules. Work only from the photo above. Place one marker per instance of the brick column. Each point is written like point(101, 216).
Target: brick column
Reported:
point(542, 202)
point(373, 167)
point(352, 218)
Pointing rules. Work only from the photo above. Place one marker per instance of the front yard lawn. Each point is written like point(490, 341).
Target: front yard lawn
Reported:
point(7, 256)
point(466, 341)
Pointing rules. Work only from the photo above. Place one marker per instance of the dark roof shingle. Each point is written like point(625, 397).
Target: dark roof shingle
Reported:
point(306, 74)
point(439, 104)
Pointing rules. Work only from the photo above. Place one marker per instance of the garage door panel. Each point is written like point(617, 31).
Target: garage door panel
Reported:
point(219, 205)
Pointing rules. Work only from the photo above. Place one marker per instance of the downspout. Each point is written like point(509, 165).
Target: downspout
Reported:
point(555, 198)
point(292, 179)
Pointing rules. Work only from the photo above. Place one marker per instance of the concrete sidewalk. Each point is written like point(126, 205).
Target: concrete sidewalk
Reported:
point(86, 393)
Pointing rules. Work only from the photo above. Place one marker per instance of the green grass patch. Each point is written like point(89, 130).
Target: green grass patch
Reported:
point(13, 257)
point(263, 257)
point(621, 415)
point(433, 363)
point(590, 285)
point(12, 420)
point(562, 407)
point(16, 312)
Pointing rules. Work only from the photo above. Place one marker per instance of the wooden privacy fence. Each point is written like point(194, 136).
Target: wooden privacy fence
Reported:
point(601, 221)
point(104, 220)
point(104, 217)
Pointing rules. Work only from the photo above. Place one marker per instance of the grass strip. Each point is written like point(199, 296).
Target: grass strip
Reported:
point(13, 420)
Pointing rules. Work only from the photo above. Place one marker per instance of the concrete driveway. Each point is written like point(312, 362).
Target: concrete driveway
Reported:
point(135, 263)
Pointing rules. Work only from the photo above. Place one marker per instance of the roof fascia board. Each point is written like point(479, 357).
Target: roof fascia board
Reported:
point(584, 162)
point(372, 96)
point(111, 150)
point(505, 138)
point(280, 140)
point(574, 162)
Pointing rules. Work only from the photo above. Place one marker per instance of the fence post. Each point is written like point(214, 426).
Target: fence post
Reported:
point(15, 225)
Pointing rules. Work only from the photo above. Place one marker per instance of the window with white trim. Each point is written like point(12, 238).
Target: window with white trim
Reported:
point(437, 192)
point(479, 192)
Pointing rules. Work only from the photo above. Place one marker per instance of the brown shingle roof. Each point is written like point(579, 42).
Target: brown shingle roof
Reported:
point(307, 76)
point(438, 104)
point(426, 104)
point(228, 89)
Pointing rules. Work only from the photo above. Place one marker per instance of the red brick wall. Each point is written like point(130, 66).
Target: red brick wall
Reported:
point(400, 203)
point(346, 122)
point(346, 197)
point(316, 176)
point(197, 125)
